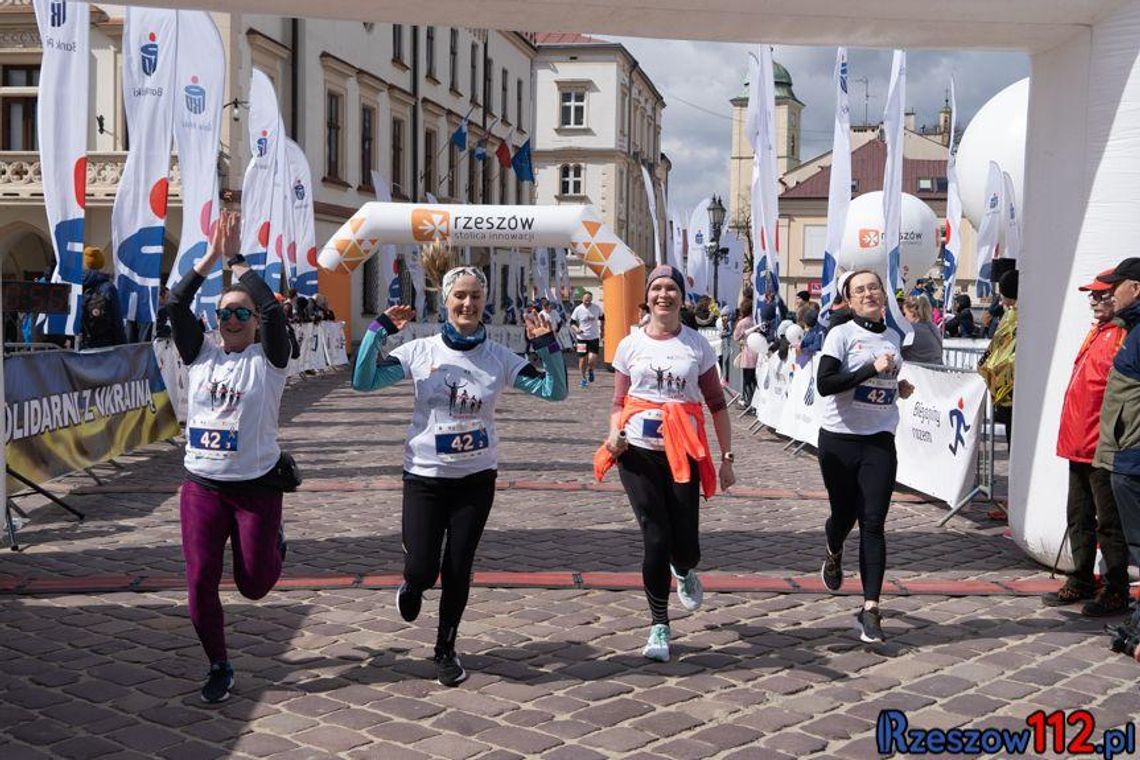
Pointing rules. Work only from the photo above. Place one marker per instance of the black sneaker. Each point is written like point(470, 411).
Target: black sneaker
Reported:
point(282, 544)
point(408, 602)
point(832, 570)
point(869, 623)
point(218, 683)
point(448, 671)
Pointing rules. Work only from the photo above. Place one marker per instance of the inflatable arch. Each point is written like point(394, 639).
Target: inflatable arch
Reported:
point(576, 227)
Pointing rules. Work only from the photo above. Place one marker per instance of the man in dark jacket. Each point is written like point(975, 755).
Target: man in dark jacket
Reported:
point(1091, 512)
point(102, 316)
point(1118, 447)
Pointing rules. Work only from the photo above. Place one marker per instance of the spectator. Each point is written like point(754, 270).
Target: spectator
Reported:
point(1118, 447)
point(812, 342)
point(927, 345)
point(961, 325)
point(642, 314)
point(102, 317)
point(550, 316)
point(1091, 514)
point(162, 316)
point(991, 318)
point(803, 298)
point(996, 366)
point(687, 317)
point(320, 309)
point(747, 357)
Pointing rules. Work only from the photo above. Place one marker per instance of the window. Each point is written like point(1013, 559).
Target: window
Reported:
point(429, 50)
point(429, 161)
point(518, 104)
point(855, 185)
point(503, 96)
point(332, 135)
point(571, 176)
point(488, 84)
point(573, 108)
point(18, 110)
point(503, 188)
point(398, 158)
point(624, 113)
point(815, 240)
point(453, 170)
point(367, 141)
point(472, 178)
point(453, 61)
point(398, 43)
point(475, 73)
point(926, 184)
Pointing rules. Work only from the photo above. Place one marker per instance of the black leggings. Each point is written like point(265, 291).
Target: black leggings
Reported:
point(859, 472)
point(749, 377)
point(669, 519)
point(435, 509)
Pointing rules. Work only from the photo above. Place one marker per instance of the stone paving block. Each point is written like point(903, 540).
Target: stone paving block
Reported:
point(263, 745)
point(451, 746)
point(613, 712)
point(331, 738)
point(84, 748)
point(517, 739)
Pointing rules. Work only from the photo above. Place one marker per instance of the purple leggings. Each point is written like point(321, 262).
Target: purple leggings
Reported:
point(251, 521)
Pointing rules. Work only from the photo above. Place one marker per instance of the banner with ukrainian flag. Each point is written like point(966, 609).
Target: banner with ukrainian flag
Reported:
point(66, 410)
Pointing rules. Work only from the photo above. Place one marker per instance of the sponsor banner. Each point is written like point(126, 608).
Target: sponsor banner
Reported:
point(651, 201)
point(698, 274)
point(138, 217)
point(772, 380)
point(838, 191)
point(801, 414)
point(65, 410)
point(302, 249)
point(760, 129)
point(265, 132)
point(894, 121)
point(377, 224)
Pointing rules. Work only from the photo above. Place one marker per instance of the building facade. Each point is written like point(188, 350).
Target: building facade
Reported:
point(597, 123)
point(358, 97)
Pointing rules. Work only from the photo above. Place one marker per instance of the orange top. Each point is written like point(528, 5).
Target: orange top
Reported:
point(681, 441)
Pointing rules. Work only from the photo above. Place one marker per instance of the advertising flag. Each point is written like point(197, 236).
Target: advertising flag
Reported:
point(697, 267)
point(953, 248)
point(61, 131)
point(200, 81)
point(839, 189)
point(389, 267)
point(651, 200)
point(989, 232)
point(257, 189)
point(138, 218)
point(893, 125)
point(303, 246)
point(760, 128)
point(676, 249)
point(1011, 226)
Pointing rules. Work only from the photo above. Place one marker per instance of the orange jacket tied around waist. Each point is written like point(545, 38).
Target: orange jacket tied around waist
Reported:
point(682, 441)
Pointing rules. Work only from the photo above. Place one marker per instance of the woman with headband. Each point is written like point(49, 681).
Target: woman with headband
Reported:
point(657, 437)
point(451, 456)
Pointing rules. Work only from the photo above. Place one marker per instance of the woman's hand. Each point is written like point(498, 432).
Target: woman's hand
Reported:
point(535, 326)
point(884, 363)
point(905, 389)
point(727, 476)
point(616, 444)
point(400, 315)
point(223, 241)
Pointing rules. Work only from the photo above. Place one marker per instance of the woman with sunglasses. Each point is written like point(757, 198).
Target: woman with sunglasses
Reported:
point(451, 455)
point(232, 489)
point(858, 378)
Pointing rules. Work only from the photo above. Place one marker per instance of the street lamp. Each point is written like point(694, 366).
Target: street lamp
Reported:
point(715, 253)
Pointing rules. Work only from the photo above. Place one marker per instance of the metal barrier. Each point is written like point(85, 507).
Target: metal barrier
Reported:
point(28, 348)
point(960, 358)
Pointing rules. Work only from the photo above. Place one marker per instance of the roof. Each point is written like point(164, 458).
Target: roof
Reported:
point(867, 164)
point(567, 38)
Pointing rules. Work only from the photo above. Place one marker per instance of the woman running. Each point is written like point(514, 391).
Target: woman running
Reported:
point(858, 380)
point(235, 472)
point(451, 455)
point(657, 436)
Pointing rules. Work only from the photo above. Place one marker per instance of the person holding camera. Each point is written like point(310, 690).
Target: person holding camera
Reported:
point(235, 471)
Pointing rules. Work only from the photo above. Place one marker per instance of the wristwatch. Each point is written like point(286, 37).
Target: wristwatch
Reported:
point(234, 260)
point(728, 456)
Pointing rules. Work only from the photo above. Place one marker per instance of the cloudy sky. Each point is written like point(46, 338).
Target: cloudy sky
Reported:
point(698, 79)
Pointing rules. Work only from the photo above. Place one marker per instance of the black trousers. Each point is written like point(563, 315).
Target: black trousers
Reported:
point(668, 513)
point(749, 376)
point(1093, 518)
point(445, 515)
point(859, 473)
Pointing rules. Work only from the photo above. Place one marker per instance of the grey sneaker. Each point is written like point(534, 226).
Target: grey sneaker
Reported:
point(408, 602)
point(689, 589)
point(870, 625)
point(448, 670)
point(657, 648)
point(832, 570)
point(218, 683)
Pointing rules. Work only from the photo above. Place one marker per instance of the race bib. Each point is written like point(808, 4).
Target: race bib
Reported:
point(456, 441)
point(877, 394)
point(651, 425)
point(210, 439)
point(581, 347)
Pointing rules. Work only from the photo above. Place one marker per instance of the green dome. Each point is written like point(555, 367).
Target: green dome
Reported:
point(782, 80)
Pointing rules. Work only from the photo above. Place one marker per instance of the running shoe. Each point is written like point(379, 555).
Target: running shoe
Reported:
point(689, 589)
point(1108, 602)
point(408, 602)
point(1070, 593)
point(832, 570)
point(657, 648)
point(218, 683)
point(583, 383)
point(448, 670)
point(591, 376)
point(870, 625)
point(282, 544)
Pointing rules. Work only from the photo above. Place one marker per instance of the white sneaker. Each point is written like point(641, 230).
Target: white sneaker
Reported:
point(689, 589)
point(657, 647)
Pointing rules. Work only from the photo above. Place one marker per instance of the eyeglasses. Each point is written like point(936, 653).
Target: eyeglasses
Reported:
point(243, 314)
point(1096, 296)
point(867, 289)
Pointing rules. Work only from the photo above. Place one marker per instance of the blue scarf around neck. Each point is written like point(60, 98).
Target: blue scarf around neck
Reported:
point(458, 341)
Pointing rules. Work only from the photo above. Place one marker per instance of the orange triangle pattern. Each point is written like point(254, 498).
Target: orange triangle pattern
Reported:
point(355, 223)
point(592, 227)
point(607, 249)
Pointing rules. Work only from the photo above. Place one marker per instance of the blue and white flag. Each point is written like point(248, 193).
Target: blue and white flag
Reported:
point(893, 125)
point(303, 246)
point(839, 189)
point(523, 163)
point(1011, 226)
point(266, 132)
point(651, 204)
point(676, 248)
point(953, 248)
point(138, 217)
point(989, 231)
point(61, 130)
point(459, 136)
point(760, 128)
point(697, 267)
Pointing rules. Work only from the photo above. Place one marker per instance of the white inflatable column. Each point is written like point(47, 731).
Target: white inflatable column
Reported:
point(1081, 207)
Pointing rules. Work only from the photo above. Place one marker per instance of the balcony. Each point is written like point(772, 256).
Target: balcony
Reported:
point(21, 181)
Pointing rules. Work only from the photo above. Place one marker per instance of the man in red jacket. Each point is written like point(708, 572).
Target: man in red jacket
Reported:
point(1091, 514)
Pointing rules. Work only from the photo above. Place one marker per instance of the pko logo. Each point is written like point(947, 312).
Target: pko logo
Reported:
point(700, 238)
point(993, 201)
point(958, 422)
point(263, 143)
point(869, 238)
point(299, 190)
point(149, 54)
point(58, 13)
point(195, 97)
point(430, 224)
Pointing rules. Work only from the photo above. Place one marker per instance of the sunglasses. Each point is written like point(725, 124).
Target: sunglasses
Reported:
point(243, 314)
point(1097, 296)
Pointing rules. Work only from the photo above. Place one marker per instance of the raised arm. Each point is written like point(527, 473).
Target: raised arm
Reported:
point(185, 328)
point(552, 384)
point(367, 373)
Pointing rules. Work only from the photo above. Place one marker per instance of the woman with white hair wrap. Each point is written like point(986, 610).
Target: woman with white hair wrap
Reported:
point(451, 455)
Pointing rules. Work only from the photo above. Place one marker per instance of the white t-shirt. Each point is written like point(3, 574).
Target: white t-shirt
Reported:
point(452, 433)
point(589, 321)
point(869, 407)
point(551, 318)
point(662, 371)
point(231, 413)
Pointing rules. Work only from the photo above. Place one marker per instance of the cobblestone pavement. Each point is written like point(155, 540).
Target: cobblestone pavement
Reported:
point(552, 633)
